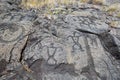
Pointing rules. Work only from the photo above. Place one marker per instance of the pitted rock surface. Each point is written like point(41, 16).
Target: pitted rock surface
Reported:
point(59, 47)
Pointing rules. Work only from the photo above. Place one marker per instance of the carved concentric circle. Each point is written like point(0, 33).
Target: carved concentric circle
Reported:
point(10, 32)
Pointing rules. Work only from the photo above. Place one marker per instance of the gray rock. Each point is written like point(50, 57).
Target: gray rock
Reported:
point(67, 47)
point(108, 2)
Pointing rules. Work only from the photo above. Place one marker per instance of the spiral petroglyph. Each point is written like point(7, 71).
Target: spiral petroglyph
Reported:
point(10, 32)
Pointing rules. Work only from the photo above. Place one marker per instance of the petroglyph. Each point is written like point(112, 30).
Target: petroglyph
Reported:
point(10, 32)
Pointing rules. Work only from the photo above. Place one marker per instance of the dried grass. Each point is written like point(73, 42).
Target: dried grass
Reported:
point(41, 3)
point(94, 1)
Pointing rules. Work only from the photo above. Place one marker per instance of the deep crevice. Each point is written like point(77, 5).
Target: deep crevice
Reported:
point(22, 51)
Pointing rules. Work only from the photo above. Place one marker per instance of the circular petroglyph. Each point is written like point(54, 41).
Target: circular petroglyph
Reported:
point(10, 32)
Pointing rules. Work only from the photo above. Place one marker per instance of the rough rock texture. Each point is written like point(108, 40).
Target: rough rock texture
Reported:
point(76, 46)
point(108, 2)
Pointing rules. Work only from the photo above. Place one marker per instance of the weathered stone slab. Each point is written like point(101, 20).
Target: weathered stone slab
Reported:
point(60, 47)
